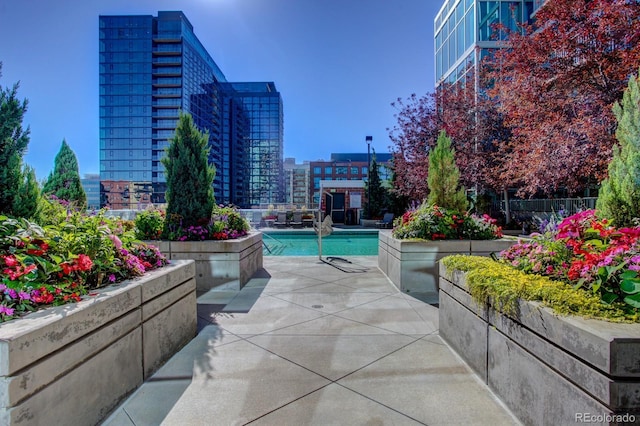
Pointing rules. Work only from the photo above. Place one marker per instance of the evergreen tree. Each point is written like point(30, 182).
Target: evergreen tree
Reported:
point(619, 197)
point(13, 145)
point(444, 177)
point(189, 175)
point(64, 180)
point(398, 202)
point(25, 204)
point(379, 198)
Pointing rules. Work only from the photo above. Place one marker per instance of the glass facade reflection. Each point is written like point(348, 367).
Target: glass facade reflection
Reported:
point(262, 104)
point(465, 32)
point(150, 69)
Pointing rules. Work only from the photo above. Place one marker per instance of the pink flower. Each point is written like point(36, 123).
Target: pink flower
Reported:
point(11, 261)
point(6, 310)
point(116, 241)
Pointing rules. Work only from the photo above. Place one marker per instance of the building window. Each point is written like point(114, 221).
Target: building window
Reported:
point(328, 170)
point(489, 16)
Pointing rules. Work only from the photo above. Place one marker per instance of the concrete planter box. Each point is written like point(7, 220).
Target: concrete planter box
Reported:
point(229, 262)
point(75, 363)
point(547, 369)
point(412, 265)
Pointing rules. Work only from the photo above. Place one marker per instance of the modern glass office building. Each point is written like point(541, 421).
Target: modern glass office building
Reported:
point(150, 69)
point(262, 104)
point(465, 32)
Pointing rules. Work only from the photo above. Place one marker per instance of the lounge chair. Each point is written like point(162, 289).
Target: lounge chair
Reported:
point(386, 222)
point(281, 222)
point(297, 220)
point(256, 220)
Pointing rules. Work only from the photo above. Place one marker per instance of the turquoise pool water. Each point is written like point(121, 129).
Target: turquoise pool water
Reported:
point(305, 243)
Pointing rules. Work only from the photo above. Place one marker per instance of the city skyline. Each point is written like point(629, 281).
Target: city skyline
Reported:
point(338, 66)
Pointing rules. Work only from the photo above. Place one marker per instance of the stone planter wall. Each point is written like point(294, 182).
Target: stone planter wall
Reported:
point(230, 262)
point(413, 265)
point(75, 363)
point(547, 369)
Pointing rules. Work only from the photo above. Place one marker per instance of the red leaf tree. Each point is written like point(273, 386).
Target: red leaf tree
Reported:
point(412, 138)
point(473, 124)
point(556, 85)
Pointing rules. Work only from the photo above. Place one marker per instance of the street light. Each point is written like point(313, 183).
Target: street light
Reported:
point(369, 140)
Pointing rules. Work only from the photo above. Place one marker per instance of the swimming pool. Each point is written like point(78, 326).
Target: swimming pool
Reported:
point(305, 243)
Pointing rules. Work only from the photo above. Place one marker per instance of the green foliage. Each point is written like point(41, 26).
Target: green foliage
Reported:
point(379, 195)
point(585, 251)
point(58, 262)
point(444, 177)
point(619, 197)
point(25, 203)
point(13, 145)
point(503, 286)
point(398, 203)
point(189, 176)
point(149, 224)
point(225, 223)
point(430, 222)
point(64, 180)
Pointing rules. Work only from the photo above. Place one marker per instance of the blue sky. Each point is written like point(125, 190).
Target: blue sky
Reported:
point(337, 63)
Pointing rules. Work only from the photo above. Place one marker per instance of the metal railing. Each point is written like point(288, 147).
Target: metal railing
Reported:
point(568, 205)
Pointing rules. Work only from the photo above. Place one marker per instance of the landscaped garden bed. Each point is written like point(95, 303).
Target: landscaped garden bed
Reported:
point(231, 263)
point(73, 364)
point(86, 314)
point(546, 368)
point(410, 254)
point(413, 265)
point(553, 327)
point(226, 252)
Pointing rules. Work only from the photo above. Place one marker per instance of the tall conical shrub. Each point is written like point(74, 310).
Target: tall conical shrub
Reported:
point(25, 203)
point(64, 180)
point(13, 145)
point(374, 187)
point(189, 176)
point(619, 197)
point(444, 177)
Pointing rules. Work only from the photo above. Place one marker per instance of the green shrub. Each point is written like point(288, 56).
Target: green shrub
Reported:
point(444, 177)
point(189, 177)
point(619, 197)
point(226, 223)
point(62, 260)
point(430, 222)
point(149, 225)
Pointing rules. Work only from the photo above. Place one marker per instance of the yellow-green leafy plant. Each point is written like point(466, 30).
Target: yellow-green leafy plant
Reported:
point(502, 286)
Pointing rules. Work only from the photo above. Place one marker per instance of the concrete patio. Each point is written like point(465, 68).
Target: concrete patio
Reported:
point(307, 343)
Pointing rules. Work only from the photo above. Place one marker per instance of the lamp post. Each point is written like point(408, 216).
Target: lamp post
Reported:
point(368, 139)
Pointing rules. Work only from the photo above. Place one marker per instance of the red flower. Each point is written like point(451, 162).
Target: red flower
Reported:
point(84, 262)
point(11, 261)
point(67, 268)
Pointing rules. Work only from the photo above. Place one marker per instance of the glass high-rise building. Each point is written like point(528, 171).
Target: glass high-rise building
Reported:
point(150, 69)
point(465, 32)
point(262, 104)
